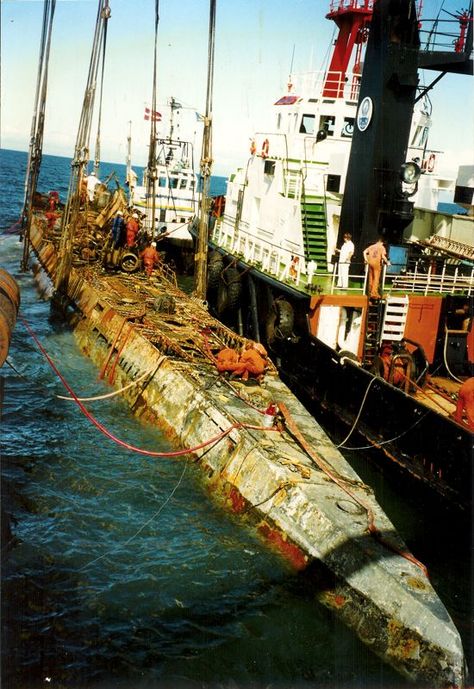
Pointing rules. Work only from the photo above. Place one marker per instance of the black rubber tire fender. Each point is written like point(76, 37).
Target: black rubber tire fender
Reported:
point(234, 288)
point(280, 320)
point(214, 270)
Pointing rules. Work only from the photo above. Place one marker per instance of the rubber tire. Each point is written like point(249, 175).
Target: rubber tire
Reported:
point(280, 320)
point(129, 263)
point(234, 288)
point(214, 270)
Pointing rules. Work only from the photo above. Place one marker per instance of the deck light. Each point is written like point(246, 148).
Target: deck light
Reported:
point(410, 173)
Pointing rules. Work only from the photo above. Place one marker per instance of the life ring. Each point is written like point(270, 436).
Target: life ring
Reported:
point(431, 162)
point(253, 147)
point(280, 321)
point(265, 148)
point(228, 291)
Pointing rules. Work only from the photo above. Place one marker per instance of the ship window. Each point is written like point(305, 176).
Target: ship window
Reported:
point(307, 124)
point(327, 123)
point(173, 182)
point(279, 120)
point(348, 128)
point(333, 183)
point(182, 184)
point(162, 182)
point(269, 168)
point(416, 136)
point(192, 184)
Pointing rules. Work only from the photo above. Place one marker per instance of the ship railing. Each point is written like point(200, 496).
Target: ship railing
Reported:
point(312, 84)
point(432, 281)
point(449, 34)
point(285, 263)
point(338, 5)
point(282, 262)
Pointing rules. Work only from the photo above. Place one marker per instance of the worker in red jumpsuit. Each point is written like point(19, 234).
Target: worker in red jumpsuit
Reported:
point(227, 360)
point(252, 361)
point(375, 256)
point(150, 257)
point(465, 403)
point(132, 228)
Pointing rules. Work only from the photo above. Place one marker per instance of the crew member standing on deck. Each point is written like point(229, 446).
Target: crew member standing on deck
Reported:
point(150, 257)
point(346, 252)
point(132, 230)
point(92, 182)
point(118, 230)
point(375, 256)
point(466, 403)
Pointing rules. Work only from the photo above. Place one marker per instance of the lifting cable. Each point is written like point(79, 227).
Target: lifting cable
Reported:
point(81, 153)
point(122, 443)
point(99, 117)
point(35, 150)
point(152, 161)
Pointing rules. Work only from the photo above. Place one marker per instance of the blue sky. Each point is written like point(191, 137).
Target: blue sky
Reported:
point(254, 46)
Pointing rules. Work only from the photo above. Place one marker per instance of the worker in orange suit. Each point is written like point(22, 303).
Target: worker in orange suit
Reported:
point(150, 257)
point(375, 256)
point(252, 361)
point(132, 228)
point(465, 403)
point(227, 360)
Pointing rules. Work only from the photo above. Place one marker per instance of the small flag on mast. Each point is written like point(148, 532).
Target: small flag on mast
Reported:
point(153, 115)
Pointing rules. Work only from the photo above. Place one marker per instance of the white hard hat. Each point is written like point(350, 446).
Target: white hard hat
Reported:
point(119, 213)
point(153, 243)
point(92, 173)
point(135, 215)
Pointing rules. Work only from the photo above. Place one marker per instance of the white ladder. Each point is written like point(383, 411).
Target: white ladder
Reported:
point(395, 318)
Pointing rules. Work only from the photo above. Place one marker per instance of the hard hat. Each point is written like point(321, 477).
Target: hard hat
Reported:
point(119, 213)
point(135, 215)
point(92, 173)
point(153, 244)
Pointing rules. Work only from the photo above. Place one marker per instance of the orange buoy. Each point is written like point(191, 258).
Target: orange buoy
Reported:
point(9, 305)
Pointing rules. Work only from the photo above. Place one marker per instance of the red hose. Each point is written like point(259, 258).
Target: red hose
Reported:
point(122, 443)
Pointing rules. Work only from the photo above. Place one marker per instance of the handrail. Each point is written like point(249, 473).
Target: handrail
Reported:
point(275, 259)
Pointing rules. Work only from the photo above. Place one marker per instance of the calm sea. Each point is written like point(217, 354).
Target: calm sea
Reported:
point(123, 573)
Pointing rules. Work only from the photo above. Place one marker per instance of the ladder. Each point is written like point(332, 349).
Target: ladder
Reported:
point(313, 216)
point(373, 329)
point(395, 318)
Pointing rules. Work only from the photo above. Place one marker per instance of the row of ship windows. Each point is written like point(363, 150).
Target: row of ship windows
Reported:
point(328, 124)
point(173, 183)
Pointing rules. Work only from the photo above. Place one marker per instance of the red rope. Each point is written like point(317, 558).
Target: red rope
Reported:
point(111, 436)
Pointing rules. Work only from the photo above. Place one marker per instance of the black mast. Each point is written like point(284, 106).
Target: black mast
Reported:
point(374, 204)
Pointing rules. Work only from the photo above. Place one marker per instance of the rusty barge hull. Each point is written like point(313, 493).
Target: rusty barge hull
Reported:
point(265, 476)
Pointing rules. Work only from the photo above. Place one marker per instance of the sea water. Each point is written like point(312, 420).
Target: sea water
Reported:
point(123, 573)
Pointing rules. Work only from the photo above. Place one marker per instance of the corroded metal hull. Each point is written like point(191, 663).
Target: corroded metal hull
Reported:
point(291, 484)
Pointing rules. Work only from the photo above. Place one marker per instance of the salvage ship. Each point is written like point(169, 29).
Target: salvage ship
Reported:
point(349, 154)
point(167, 196)
point(279, 472)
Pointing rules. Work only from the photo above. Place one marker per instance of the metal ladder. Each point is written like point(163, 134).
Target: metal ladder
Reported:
point(395, 318)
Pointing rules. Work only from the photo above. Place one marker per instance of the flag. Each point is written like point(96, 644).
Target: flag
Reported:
point(199, 117)
point(153, 115)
